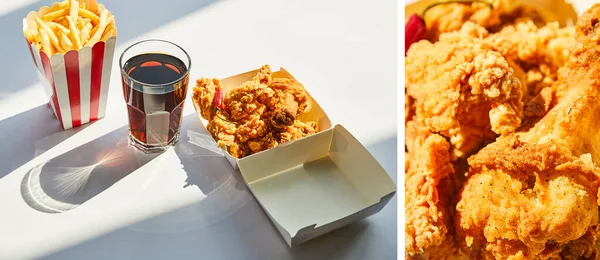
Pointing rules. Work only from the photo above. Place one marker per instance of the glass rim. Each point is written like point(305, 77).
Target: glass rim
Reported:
point(189, 66)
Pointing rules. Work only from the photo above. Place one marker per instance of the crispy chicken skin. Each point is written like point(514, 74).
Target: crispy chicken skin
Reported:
point(532, 56)
point(429, 189)
point(258, 115)
point(451, 16)
point(463, 89)
point(537, 53)
point(292, 101)
point(534, 194)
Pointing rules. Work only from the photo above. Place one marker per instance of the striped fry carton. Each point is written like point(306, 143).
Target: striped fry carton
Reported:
point(76, 83)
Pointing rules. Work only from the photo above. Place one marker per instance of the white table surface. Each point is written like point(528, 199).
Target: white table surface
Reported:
point(188, 203)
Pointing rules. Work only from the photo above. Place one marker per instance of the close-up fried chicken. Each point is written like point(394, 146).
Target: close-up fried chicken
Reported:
point(490, 14)
point(532, 193)
point(463, 89)
point(258, 115)
point(429, 188)
point(537, 52)
point(516, 94)
point(450, 17)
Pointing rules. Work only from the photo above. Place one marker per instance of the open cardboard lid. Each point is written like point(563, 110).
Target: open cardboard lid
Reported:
point(313, 112)
point(316, 184)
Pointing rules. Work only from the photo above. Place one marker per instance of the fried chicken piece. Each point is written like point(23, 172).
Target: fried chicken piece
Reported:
point(297, 130)
point(222, 130)
point(538, 51)
point(463, 89)
point(260, 144)
point(245, 100)
point(256, 116)
point(285, 113)
point(534, 194)
point(247, 104)
point(428, 195)
point(204, 95)
point(251, 127)
point(582, 248)
point(451, 16)
point(264, 75)
point(292, 101)
point(224, 133)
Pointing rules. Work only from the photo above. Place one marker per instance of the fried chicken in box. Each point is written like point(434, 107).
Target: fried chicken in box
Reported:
point(463, 89)
point(533, 194)
point(470, 85)
point(260, 114)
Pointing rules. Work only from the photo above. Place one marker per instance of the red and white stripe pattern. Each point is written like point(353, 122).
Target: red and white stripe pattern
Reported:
point(76, 82)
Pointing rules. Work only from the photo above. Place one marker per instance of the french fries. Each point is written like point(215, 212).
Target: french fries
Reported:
point(68, 25)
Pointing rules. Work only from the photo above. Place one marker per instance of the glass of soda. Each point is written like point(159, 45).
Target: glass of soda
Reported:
point(155, 77)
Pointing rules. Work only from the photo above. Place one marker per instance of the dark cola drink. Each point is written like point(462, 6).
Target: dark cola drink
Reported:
point(155, 87)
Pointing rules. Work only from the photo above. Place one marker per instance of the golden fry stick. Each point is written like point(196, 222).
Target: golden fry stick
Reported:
point(101, 26)
point(65, 41)
point(56, 26)
point(53, 7)
point(36, 36)
point(85, 34)
point(59, 6)
point(27, 31)
point(42, 11)
point(107, 35)
point(29, 21)
point(63, 22)
point(46, 46)
point(28, 35)
point(74, 9)
point(80, 23)
point(111, 20)
point(93, 31)
point(50, 33)
point(92, 5)
point(35, 33)
point(87, 14)
point(53, 15)
point(74, 33)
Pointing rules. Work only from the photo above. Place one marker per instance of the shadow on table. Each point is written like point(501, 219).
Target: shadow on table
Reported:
point(134, 17)
point(71, 179)
point(29, 134)
point(230, 224)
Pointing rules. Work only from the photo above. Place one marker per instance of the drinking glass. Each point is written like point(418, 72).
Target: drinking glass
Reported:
point(155, 77)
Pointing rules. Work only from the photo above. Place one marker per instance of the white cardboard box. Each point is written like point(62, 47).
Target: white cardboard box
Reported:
point(316, 184)
point(319, 183)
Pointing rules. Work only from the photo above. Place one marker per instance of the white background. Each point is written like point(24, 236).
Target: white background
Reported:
point(188, 203)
